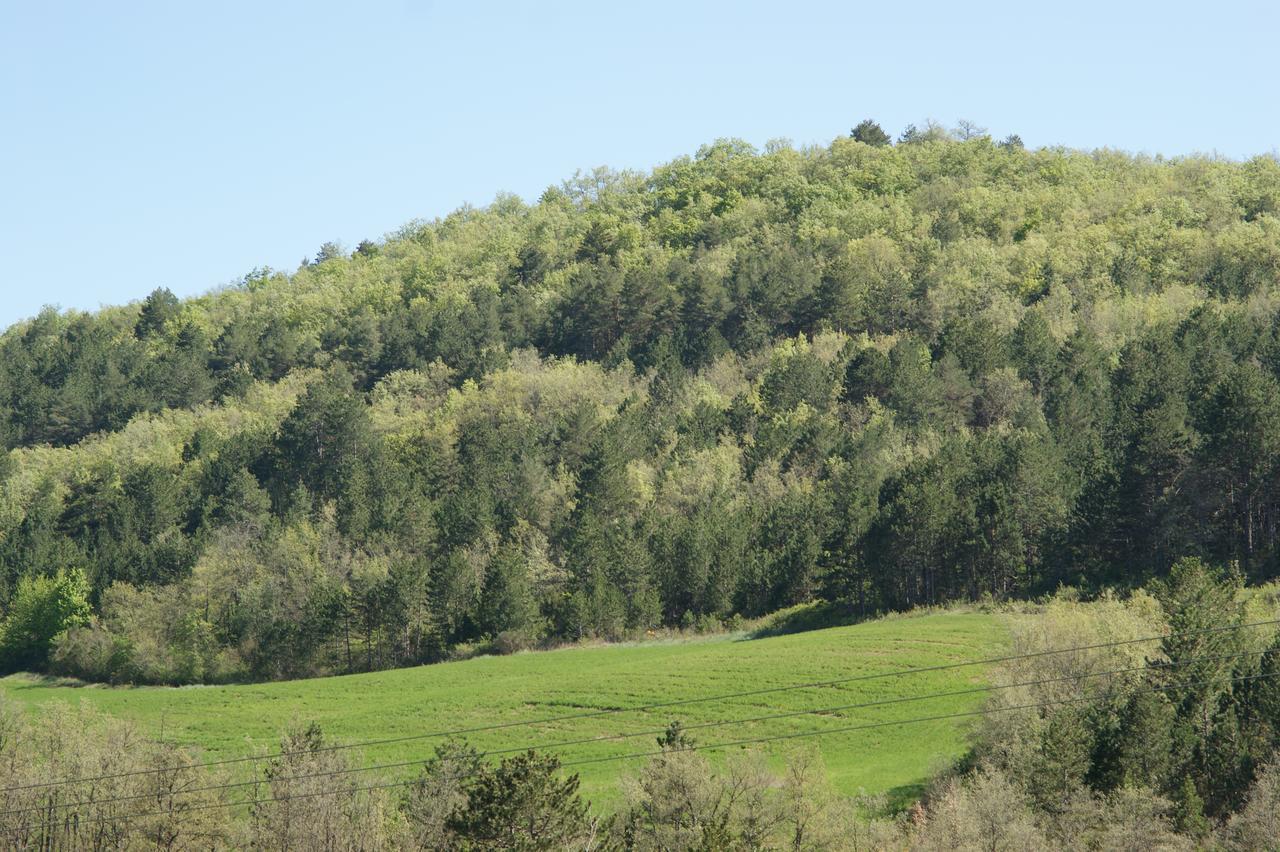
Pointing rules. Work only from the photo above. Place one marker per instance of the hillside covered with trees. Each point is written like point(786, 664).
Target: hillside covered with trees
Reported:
point(881, 375)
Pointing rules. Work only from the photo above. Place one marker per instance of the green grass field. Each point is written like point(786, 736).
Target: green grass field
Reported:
point(228, 721)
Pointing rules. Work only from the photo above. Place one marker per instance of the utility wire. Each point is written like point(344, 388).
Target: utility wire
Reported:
point(631, 735)
point(646, 707)
point(630, 756)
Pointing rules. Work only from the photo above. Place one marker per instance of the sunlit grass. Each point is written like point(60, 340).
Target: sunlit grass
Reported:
point(228, 721)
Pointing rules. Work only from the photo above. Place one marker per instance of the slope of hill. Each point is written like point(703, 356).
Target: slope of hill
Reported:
point(877, 375)
point(227, 721)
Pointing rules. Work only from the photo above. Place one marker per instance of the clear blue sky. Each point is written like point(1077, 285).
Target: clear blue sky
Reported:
point(180, 144)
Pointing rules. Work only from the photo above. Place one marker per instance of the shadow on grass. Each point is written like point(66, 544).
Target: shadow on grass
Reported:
point(898, 799)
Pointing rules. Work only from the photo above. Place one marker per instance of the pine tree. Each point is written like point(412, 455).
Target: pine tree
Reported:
point(870, 133)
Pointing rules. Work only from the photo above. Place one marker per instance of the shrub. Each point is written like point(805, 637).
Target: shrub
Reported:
point(986, 810)
point(42, 608)
point(92, 653)
point(138, 794)
point(511, 641)
point(312, 802)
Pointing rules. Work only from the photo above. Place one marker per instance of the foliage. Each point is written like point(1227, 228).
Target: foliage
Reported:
point(185, 808)
point(1183, 732)
point(521, 804)
point(871, 375)
point(870, 133)
point(41, 609)
point(1257, 824)
point(309, 801)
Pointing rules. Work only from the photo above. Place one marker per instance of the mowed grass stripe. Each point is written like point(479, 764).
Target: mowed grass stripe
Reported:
point(235, 720)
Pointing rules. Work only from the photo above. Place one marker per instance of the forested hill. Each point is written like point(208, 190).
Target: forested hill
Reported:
point(882, 375)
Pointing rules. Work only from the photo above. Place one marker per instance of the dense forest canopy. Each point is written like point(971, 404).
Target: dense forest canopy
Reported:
point(877, 374)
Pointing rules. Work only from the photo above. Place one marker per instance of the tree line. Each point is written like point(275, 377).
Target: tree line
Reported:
point(878, 375)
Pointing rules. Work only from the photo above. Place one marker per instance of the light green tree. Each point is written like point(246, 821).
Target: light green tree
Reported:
point(42, 608)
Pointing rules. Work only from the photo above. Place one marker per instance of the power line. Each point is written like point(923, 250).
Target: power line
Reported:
point(653, 706)
point(637, 755)
point(631, 735)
